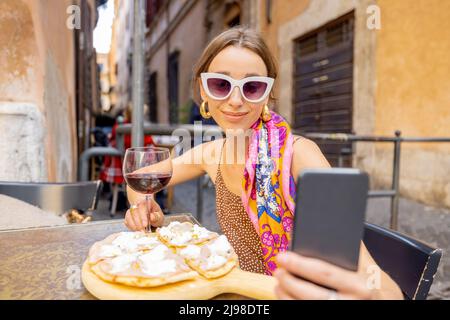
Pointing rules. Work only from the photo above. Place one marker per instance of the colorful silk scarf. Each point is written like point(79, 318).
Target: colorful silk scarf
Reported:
point(269, 188)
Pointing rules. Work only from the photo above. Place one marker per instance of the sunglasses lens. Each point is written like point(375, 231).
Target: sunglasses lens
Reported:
point(219, 87)
point(254, 90)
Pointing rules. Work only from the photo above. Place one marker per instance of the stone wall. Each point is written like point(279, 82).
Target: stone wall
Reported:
point(37, 92)
point(413, 95)
point(401, 82)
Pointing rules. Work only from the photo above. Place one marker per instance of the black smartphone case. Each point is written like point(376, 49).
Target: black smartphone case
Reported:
point(329, 216)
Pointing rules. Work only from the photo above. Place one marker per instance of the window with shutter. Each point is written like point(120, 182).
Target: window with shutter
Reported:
point(172, 73)
point(152, 98)
point(323, 84)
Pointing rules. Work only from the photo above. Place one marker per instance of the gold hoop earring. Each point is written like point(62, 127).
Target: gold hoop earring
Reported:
point(265, 115)
point(205, 114)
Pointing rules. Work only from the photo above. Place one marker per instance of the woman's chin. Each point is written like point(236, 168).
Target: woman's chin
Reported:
point(235, 124)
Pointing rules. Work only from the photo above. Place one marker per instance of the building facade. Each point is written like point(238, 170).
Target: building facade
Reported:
point(45, 100)
point(177, 33)
point(368, 67)
point(105, 81)
point(123, 53)
point(341, 70)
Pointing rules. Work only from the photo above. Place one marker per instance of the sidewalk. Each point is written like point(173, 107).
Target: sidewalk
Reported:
point(431, 225)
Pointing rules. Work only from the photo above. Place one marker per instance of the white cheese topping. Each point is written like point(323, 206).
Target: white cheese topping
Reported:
point(159, 267)
point(181, 239)
point(219, 252)
point(200, 232)
point(181, 236)
point(215, 261)
point(191, 252)
point(156, 254)
point(168, 231)
point(220, 246)
point(109, 251)
point(210, 256)
point(122, 263)
point(155, 262)
point(165, 232)
point(126, 241)
point(147, 241)
point(132, 241)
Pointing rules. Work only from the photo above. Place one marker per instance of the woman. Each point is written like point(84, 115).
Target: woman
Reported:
point(255, 196)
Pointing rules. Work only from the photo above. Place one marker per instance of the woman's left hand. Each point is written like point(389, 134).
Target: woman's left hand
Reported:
point(345, 284)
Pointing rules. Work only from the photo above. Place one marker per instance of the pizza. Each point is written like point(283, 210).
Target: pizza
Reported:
point(154, 267)
point(121, 243)
point(178, 234)
point(178, 252)
point(137, 259)
point(212, 259)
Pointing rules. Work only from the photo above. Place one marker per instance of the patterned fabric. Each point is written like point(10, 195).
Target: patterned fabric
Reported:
point(234, 222)
point(268, 186)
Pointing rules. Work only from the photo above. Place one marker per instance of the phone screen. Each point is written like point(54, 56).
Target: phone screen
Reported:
point(329, 216)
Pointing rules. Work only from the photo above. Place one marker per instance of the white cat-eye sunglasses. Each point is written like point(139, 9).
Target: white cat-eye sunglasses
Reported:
point(219, 86)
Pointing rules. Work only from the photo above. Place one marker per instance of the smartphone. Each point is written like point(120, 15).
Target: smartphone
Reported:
point(330, 214)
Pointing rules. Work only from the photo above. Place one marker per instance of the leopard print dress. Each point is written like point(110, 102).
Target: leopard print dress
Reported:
point(236, 225)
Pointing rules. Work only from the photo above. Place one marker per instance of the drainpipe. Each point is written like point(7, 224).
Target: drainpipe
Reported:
point(137, 132)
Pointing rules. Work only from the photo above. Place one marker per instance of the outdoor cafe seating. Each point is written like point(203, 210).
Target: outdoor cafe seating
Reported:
point(410, 262)
point(55, 197)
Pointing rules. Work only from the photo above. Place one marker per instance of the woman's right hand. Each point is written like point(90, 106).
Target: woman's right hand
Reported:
point(143, 214)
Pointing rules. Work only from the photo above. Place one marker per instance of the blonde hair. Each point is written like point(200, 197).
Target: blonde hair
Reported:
point(241, 37)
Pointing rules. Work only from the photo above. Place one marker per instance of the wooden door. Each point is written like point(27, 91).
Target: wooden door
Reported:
point(152, 98)
point(173, 86)
point(323, 84)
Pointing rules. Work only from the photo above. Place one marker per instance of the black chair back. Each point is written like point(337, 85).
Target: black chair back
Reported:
point(55, 197)
point(411, 263)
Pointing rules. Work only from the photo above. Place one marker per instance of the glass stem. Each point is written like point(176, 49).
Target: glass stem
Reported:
point(148, 197)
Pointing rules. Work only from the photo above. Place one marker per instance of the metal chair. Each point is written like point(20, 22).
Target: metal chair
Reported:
point(411, 263)
point(55, 197)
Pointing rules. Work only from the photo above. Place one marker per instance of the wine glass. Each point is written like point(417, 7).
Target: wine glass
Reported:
point(147, 170)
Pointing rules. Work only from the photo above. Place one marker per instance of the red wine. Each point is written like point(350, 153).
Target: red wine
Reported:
point(147, 182)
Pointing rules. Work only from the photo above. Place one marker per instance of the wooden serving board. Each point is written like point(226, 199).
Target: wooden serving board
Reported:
point(252, 285)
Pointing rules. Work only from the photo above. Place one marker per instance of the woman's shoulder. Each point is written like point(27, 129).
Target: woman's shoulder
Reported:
point(304, 145)
point(306, 154)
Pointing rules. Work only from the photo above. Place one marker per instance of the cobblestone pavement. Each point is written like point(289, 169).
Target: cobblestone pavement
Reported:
point(431, 225)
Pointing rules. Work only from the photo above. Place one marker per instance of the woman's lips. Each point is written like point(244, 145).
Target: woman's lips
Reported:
point(234, 116)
